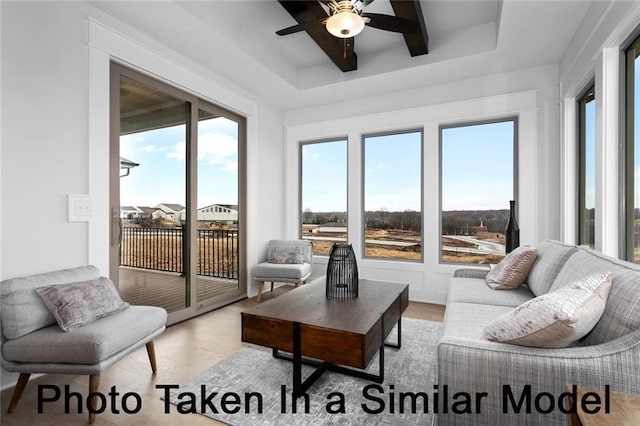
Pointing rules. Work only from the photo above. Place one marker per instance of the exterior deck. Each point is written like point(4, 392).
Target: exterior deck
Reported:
point(167, 289)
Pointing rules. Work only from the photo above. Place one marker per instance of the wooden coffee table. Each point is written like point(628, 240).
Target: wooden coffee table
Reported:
point(336, 335)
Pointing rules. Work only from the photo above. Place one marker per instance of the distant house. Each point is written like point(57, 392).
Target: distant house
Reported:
point(131, 212)
point(170, 212)
point(222, 214)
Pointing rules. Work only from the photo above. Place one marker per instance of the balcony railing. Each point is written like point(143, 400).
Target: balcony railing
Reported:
point(161, 249)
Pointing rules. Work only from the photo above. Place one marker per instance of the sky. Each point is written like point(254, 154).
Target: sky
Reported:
point(324, 176)
point(590, 157)
point(160, 177)
point(392, 172)
point(477, 166)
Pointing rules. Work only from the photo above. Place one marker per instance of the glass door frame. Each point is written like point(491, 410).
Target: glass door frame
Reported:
point(194, 308)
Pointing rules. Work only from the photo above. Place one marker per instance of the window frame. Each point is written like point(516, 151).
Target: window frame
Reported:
point(363, 222)
point(441, 127)
point(301, 145)
point(587, 95)
point(627, 199)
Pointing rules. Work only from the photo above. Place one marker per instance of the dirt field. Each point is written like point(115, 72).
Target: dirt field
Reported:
point(484, 259)
point(322, 247)
point(413, 252)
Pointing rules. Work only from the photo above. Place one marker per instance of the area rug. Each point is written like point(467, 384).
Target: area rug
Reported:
point(252, 375)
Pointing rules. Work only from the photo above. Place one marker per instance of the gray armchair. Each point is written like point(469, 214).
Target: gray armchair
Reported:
point(288, 261)
point(32, 341)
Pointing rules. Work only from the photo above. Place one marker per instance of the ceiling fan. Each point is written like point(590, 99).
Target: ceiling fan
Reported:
point(347, 19)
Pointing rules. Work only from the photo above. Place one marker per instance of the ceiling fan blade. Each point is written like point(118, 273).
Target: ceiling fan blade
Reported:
point(390, 23)
point(347, 47)
point(301, 27)
point(366, 2)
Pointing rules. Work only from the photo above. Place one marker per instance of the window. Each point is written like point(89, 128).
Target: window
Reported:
point(392, 167)
point(586, 168)
point(323, 193)
point(631, 196)
point(478, 176)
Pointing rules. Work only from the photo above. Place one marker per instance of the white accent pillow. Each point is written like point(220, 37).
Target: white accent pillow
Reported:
point(289, 254)
point(512, 271)
point(76, 304)
point(556, 319)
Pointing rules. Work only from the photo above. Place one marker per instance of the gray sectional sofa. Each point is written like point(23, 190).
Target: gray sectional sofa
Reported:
point(468, 364)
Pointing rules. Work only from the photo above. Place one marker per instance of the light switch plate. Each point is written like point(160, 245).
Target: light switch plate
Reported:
point(79, 208)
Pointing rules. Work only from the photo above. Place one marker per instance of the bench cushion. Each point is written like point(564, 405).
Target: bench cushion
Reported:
point(90, 343)
point(22, 309)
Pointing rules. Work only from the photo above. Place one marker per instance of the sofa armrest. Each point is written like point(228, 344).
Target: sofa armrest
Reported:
point(507, 372)
point(470, 273)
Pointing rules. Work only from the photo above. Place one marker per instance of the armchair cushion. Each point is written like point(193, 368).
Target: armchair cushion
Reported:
point(294, 272)
point(89, 344)
point(76, 304)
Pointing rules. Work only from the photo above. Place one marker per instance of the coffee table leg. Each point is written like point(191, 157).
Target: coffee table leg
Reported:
point(399, 344)
point(297, 360)
point(300, 387)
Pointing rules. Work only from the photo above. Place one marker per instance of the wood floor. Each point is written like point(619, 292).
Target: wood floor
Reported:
point(183, 351)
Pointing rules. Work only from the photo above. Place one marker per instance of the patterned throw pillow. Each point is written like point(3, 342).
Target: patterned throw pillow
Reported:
point(512, 271)
point(76, 304)
point(556, 319)
point(290, 254)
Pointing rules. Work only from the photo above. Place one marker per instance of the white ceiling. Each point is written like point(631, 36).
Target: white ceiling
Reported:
point(467, 38)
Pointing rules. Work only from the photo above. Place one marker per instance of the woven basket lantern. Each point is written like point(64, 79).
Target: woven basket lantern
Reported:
point(342, 273)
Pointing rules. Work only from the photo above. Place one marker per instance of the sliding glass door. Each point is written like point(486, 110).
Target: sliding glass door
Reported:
point(176, 197)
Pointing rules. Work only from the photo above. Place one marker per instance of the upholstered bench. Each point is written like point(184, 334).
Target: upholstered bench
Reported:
point(100, 328)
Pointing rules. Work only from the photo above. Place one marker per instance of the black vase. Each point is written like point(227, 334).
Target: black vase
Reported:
point(342, 273)
point(512, 232)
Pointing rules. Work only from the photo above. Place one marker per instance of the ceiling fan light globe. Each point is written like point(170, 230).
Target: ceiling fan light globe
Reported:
point(345, 24)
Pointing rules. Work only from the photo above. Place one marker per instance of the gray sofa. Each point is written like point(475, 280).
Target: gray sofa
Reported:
point(608, 355)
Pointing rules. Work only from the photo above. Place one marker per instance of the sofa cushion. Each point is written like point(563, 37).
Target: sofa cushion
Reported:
point(89, 344)
point(512, 271)
point(476, 290)
point(622, 312)
point(76, 304)
point(468, 320)
point(555, 319)
point(552, 255)
point(22, 309)
point(283, 271)
point(293, 254)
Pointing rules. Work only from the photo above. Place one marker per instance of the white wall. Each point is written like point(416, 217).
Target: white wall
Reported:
point(44, 136)
point(531, 94)
point(55, 59)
